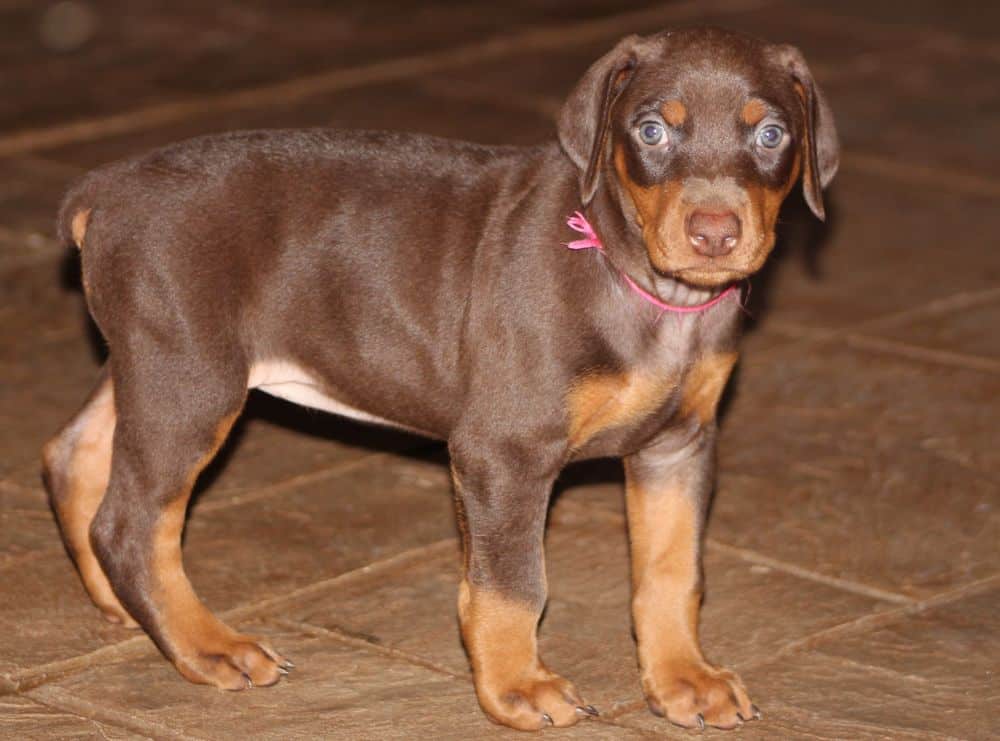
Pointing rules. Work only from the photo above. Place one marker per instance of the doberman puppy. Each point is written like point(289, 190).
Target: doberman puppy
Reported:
point(426, 284)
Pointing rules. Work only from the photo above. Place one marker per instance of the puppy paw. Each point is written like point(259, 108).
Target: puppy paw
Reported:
point(232, 662)
point(695, 695)
point(531, 702)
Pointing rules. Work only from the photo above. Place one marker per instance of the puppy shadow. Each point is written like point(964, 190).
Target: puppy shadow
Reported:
point(320, 425)
point(801, 238)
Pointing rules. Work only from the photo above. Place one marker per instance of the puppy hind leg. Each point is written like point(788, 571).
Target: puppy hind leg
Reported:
point(171, 424)
point(76, 466)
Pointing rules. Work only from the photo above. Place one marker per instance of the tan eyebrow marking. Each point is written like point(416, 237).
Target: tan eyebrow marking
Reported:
point(674, 112)
point(753, 112)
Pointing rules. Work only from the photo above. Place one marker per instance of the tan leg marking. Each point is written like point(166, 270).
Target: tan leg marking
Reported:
point(204, 649)
point(666, 581)
point(78, 466)
point(514, 687)
point(604, 401)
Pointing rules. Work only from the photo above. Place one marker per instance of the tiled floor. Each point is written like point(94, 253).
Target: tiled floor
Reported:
point(853, 556)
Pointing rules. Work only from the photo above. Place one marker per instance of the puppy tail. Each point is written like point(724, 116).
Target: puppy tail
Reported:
point(75, 212)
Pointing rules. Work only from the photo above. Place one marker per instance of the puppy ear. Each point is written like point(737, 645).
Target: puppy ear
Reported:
point(821, 147)
point(586, 115)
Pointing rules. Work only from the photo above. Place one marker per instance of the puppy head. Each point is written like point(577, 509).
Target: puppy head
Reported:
point(700, 135)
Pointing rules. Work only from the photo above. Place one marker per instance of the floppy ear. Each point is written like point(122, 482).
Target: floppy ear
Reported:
point(586, 114)
point(820, 148)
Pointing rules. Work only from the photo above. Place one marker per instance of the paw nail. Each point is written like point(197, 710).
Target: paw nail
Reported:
point(589, 710)
point(246, 678)
point(547, 718)
point(287, 664)
point(282, 670)
point(757, 715)
point(701, 721)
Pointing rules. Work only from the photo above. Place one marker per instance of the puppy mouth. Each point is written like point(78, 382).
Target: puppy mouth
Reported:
point(714, 280)
point(680, 293)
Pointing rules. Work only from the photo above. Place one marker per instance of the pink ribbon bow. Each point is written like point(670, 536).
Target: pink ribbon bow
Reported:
point(578, 223)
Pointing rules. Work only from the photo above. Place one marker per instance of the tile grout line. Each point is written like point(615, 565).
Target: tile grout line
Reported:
point(32, 677)
point(750, 556)
point(844, 585)
point(777, 707)
point(265, 607)
point(248, 496)
point(400, 68)
point(392, 652)
point(862, 624)
point(805, 336)
point(935, 41)
point(256, 494)
point(60, 699)
point(956, 181)
point(381, 649)
point(876, 620)
point(922, 353)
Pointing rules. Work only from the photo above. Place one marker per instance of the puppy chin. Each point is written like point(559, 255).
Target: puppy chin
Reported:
point(711, 279)
point(710, 273)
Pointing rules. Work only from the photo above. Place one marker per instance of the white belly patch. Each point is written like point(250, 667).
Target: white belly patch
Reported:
point(290, 382)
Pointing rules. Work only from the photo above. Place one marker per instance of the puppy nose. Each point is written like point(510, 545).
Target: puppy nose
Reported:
point(713, 233)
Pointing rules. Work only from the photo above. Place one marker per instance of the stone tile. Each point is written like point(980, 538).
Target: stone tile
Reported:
point(277, 442)
point(45, 615)
point(939, 665)
point(234, 556)
point(42, 302)
point(27, 534)
point(961, 331)
point(550, 74)
point(883, 250)
point(240, 555)
point(967, 19)
point(586, 631)
point(337, 690)
point(398, 106)
point(30, 193)
point(863, 467)
point(925, 674)
point(780, 721)
point(42, 389)
point(144, 54)
point(833, 689)
point(942, 112)
point(22, 718)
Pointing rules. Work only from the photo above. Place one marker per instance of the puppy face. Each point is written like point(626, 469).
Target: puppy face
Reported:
point(701, 136)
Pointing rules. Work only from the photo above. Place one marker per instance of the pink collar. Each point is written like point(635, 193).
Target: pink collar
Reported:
point(578, 223)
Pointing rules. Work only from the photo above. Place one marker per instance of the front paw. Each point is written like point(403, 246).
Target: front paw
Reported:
point(695, 694)
point(537, 699)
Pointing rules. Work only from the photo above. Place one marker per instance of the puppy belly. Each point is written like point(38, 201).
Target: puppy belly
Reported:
point(291, 382)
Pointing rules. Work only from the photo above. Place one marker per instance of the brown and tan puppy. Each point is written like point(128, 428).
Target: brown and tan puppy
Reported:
point(425, 284)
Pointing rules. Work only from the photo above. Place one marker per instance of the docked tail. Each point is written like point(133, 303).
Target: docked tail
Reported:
point(75, 212)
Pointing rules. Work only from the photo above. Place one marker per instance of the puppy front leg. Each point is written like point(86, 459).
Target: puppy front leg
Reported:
point(501, 514)
point(667, 490)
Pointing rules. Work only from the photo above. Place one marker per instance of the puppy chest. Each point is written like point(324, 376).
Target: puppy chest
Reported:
point(626, 403)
